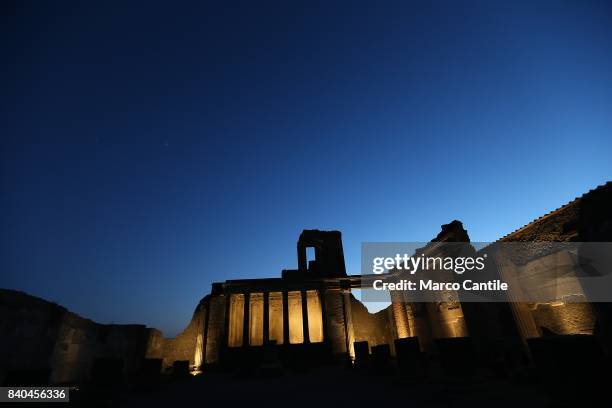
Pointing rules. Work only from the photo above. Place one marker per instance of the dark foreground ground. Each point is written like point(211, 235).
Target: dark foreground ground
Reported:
point(324, 387)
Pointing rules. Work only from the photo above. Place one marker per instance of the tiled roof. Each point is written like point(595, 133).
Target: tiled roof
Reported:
point(556, 211)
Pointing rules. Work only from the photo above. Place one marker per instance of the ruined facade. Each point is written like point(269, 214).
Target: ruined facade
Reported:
point(312, 307)
point(310, 312)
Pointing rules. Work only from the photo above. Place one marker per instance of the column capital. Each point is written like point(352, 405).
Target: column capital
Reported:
point(345, 286)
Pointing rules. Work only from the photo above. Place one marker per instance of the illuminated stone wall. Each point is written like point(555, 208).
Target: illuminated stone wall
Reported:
point(565, 318)
point(562, 225)
point(188, 345)
point(563, 314)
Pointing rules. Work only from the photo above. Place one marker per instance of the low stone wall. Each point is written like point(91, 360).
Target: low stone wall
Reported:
point(37, 335)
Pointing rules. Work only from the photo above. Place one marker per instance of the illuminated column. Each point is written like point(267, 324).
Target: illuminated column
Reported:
point(275, 317)
point(305, 316)
point(399, 315)
point(245, 325)
point(410, 319)
point(235, 335)
point(256, 319)
point(315, 316)
point(348, 322)
point(285, 317)
point(296, 318)
point(266, 318)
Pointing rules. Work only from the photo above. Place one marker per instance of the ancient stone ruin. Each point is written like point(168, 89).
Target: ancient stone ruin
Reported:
point(309, 314)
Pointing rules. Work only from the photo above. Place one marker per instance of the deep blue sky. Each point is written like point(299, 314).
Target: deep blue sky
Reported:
point(151, 149)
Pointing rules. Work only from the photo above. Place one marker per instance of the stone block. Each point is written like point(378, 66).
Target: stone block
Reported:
point(362, 354)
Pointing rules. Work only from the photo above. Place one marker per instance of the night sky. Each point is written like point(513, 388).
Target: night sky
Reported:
point(150, 149)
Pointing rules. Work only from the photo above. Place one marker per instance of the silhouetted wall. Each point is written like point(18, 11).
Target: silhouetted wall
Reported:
point(37, 335)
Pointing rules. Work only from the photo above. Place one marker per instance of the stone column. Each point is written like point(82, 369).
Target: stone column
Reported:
point(399, 315)
point(285, 318)
point(336, 327)
point(266, 318)
point(348, 322)
point(305, 316)
point(410, 319)
point(321, 295)
point(216, 338)
point(245, 320)
point(226, 323)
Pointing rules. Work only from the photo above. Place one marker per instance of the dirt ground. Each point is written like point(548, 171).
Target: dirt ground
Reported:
point(335, 387)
